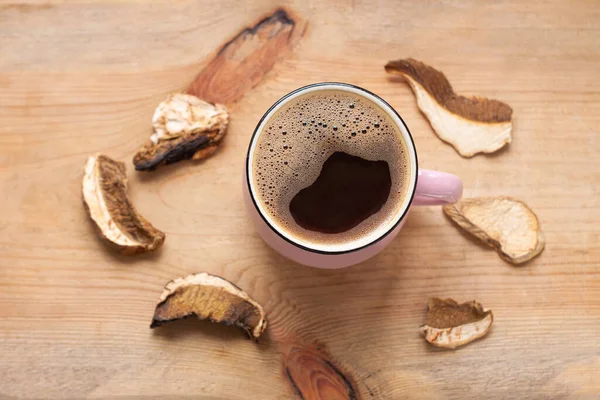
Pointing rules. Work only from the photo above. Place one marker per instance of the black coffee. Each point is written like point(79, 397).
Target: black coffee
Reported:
point(349, 190)
point(330, 167)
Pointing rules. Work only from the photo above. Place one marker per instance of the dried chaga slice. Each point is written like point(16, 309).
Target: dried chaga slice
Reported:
point(506, 224)
point(451, 325)
point(471, 124)
point(184, 127)
point(209, 297)
point(105, 198)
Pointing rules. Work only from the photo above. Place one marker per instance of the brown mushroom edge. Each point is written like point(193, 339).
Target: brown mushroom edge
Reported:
point(209, 297)
point(471, 124)
point(185, 127)
point(451, 325)
point(195, 146)
point(105, 199)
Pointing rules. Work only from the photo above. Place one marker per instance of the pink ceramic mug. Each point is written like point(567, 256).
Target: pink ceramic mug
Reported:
point(425, 188)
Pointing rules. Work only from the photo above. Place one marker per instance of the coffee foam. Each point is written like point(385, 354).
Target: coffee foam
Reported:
point(300, 136)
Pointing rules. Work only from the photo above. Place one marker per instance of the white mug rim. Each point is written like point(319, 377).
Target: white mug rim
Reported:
point(377, 234)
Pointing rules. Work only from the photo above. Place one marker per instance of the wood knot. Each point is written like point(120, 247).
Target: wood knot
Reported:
point(314, 375)
point(242, 62)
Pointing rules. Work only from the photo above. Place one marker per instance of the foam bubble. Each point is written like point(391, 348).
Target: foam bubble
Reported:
point(291, 161)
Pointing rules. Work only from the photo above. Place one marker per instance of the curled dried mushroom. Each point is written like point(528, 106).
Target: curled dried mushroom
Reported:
point(185, 127)
point(471, 124)
point(508, 225)
point(105, 199)
point(450, 325)
point(209, 297)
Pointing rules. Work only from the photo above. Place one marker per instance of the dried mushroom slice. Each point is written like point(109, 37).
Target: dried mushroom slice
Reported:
point(506, 224)
point(471, 124)
point(450, 325)
point(209, 297)
point(185, 127)
point(105, 198)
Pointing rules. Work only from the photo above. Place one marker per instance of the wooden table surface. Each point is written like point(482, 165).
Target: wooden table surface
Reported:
point(78, 78)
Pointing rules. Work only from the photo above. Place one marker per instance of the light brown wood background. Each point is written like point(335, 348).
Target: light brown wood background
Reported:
point(83, 77)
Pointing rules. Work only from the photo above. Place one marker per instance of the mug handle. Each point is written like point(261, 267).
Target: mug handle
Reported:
point(435, 188)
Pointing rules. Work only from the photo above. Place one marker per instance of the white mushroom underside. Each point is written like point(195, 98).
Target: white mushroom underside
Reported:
point(513, 225)
point(181, 114)
point(97, 206)
point(453, 337)
point(205, 279)
point(468, 137)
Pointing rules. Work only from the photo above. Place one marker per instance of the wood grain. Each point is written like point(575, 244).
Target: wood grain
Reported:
point(241, 63)
point(314, 375)
point(79, 78)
